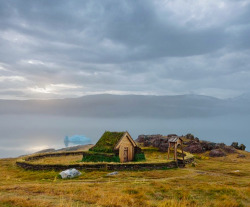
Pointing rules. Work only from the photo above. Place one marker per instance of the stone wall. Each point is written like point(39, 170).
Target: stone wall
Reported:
point(96, 166)
point(104, 166)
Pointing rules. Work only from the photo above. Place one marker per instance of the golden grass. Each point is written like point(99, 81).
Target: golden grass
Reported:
point(70, 159)
point(151, 154)
point(222, 182)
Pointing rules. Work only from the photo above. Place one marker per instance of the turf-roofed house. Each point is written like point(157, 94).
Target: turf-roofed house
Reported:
point(120, 145)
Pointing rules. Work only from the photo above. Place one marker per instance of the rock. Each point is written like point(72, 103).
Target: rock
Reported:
point(113, 173)
point(161, 143)
point(189, 136)
point(140, 138)
point(219, 146)
point(155, 140)
point(148, 138)
point(242, 147)
point(147, 143)
point(193, 144)
point(207, 146)
point(163, 147)
point(194, 148)
point(229, 149)
point(236, 146)
point(217, 153)
point(196, 139)
point(70, 173)
point(172, 135)
point(241, 156)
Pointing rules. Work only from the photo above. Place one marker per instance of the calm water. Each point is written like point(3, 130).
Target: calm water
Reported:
point(26, 134)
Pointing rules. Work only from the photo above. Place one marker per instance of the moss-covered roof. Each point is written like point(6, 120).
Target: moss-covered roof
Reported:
point(107, 142)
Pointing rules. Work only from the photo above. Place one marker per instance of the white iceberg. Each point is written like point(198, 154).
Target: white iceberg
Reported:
point(77, 139)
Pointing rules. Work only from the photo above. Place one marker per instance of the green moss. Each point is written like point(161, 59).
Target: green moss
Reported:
point(100, 158)
point(140, 157)
point(107, 142)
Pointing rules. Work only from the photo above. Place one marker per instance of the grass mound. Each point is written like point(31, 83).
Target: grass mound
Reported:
point(107, 142)
point(140, 157)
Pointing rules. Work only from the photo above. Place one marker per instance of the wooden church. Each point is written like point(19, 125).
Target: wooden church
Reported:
point(120, 143)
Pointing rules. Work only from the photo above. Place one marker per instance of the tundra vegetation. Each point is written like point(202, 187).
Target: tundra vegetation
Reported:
point(209, 181)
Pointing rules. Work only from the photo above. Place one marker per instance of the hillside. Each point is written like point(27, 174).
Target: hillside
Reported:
point(67, 149)
point(222, 181)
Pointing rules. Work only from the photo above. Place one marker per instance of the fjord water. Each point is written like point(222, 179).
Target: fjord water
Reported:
point(23, 134)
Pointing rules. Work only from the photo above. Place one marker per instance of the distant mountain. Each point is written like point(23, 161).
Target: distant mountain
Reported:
point(66, 149)
point(128, 106)
point(245, 98)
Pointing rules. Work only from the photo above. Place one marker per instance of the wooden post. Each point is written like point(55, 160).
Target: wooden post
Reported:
point(175, 151)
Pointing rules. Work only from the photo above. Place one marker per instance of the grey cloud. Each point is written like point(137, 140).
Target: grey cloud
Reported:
point(125, 46)
point(133, 24)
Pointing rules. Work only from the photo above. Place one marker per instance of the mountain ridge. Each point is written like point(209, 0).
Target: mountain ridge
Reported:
point(107, 105)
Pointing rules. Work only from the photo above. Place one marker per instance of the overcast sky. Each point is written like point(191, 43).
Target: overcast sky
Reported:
point(58, 49)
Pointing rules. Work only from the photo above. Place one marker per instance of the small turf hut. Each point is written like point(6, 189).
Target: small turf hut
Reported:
point(120, 143)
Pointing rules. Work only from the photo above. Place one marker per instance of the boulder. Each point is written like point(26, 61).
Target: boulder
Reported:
point(236, 146)
point(140, 139)
point(241, 156)
point(217, 153)
point(161, 143)
point(196, 139)
point(172, 135)
point(219, 146)
point(194, 147)
point(70, 173)
point(113, 173)
point(189, 136)
point(163, 147)
point(207, 146)
point(229, 149)
point(147, 143)
point(155, 140)
point(242, 147)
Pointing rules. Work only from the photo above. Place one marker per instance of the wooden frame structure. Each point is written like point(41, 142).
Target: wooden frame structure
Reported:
point(175, 142)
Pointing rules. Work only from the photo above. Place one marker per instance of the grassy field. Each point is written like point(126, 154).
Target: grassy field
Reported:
point(220, 182)
point(152, 155)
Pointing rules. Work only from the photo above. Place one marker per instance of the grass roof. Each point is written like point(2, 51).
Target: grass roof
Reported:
point(107, 142)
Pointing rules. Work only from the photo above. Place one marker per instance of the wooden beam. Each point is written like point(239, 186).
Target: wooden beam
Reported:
point(182, 152)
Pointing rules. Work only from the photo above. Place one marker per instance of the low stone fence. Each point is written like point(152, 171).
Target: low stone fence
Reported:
point(58, 154)
point(96, 166)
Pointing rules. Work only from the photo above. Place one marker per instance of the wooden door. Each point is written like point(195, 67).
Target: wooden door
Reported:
point(125, 154)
